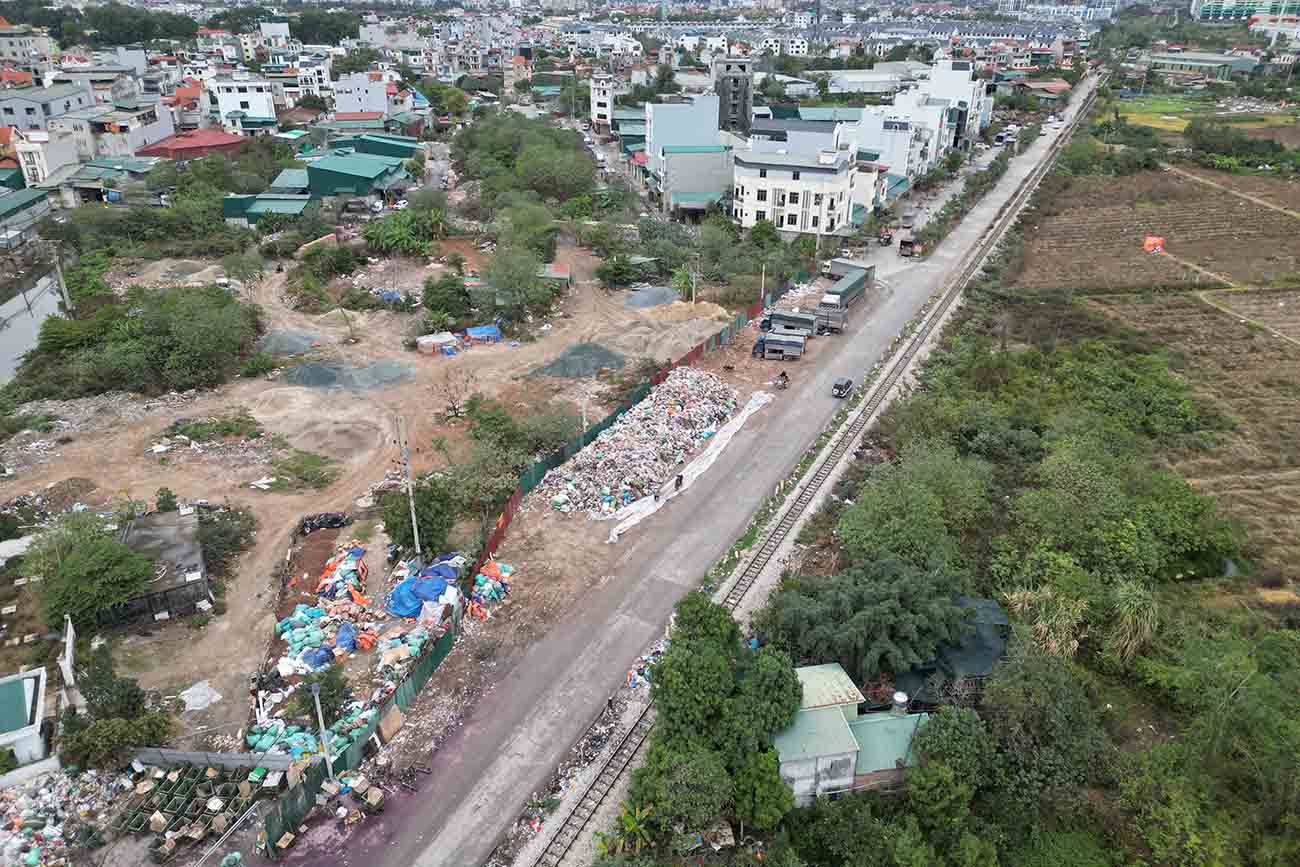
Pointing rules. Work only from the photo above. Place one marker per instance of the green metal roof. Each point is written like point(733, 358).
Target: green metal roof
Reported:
point(277, 204)
point(631, 127)
point(405, 117)
point(628, 114)
point(695, 149)
point(292, 134)
point(815, 733)
point(377, 123)
point(291, 179)
point(357, 165)
point(633, 148)
point(827, 685)
point(19, 200)
point(15, 710)
point(884, 740)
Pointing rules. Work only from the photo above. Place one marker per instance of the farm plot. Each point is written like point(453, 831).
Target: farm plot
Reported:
point(1091, 239)
point(1279, 309)
point(1253, 378)
point(1275, 191)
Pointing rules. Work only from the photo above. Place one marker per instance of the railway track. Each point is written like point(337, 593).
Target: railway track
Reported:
point(619, 760)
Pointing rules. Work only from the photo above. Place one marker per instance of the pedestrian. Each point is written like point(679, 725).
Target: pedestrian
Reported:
point(678, 483)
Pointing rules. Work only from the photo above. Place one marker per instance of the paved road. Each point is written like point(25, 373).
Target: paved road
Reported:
point(519, 732)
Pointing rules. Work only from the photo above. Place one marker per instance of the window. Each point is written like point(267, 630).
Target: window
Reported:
point(9, 111)
point(760, 215)
point(31, 112)
point(762, 195)
point(791, 220)
point(243, 104)
point(814, 221)
point(762, 173)
point(817, 198)
point(830, 224)
point(794, 176)
point(794, 197)
point(242, 89)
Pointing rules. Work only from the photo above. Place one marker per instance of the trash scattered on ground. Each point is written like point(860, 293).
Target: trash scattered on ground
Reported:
point(645, 447)
point(639, 675)
point(46, 816)
point(583, 360)
point(200, 696)
point(491, 585)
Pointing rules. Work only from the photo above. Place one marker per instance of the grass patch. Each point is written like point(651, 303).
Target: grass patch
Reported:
point(301, 470)
point(363, 531)
point(239, 424)
point(14, 424)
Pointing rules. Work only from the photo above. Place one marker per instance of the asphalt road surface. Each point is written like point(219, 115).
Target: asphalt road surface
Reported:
point(518, 733)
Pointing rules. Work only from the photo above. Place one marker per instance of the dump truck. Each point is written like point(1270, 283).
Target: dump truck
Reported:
point(789, 322)
point(779, 347)
point(854, 280)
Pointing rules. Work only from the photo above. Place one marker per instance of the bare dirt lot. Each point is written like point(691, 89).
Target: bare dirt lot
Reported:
point(1092, 237)
point(1253, 378)
point(107, 442)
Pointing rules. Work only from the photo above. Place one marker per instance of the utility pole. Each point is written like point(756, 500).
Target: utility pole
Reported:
point(405, 446)
point(324, 733)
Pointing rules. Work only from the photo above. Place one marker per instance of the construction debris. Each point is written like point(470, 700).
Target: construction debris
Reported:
point(641, 451)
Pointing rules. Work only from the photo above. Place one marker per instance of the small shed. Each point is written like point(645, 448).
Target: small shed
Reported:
point(818, 754)
point(884, 747)
point(440, 343)
point(483, 334)
point(22, 713)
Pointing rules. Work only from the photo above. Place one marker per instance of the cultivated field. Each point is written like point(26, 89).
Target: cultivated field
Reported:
point(1252, 376)
point(1090, 238)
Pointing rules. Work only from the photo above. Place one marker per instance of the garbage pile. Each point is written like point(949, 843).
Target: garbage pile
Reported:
point(45, 816)
point(643, 449)
point(276, 736)
point(491, 585)
point(639, 675)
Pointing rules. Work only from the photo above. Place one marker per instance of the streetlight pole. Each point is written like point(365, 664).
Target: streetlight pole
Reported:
point(324, 733)
point(405, 446)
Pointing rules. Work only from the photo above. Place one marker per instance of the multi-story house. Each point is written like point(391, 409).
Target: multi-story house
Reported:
point(242, 103)
point(30, 108)
point(361, 91)
point(115, 130)
point(41, 153)
point(24, 46)
point(796, 192)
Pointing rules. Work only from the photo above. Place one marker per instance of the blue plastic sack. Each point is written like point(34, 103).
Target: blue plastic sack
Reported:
point(346, 639)
point(318, 657)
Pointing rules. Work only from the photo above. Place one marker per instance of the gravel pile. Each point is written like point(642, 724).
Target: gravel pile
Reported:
point(645, 447)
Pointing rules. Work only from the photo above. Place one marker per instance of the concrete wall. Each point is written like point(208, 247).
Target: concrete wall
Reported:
point(810, 778)
point(696, 173)
point(693, 123)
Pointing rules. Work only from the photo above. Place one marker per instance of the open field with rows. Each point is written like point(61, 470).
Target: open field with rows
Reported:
point(1089, 239)
point(1252, 377)
point(1172, 113)
point(1275, 191)
point(1278, 310)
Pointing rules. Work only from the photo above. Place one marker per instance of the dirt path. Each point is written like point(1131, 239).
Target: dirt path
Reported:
point(1230, 191)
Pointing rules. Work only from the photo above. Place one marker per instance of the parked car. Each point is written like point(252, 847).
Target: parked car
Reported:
point(842, 387)
point(400, 205)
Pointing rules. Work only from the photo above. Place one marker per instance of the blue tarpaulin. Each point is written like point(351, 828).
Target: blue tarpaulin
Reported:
point(318, 657)
point(484, 332)
point(407, 597)
point(346, 639)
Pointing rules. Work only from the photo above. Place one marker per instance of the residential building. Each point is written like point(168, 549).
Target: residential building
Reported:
point(1241, 10)
point(108, 82)
point(679, 124)
point(115, 130)
point(1200, 64)
point(21, 212)
point(798, 193)
point(693, 178)
point(24, 46)
point(831, 748)
point(248, 210)
point(275, 34)
point(733, 81)
point(361, 92)
point(22, 713)
point(102, 179)
point(605, 88)
point(971, 106)
point(242, 103)
point(41, 153)
point(30, 108)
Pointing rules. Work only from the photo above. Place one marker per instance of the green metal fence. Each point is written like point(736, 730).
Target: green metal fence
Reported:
point(288, 811)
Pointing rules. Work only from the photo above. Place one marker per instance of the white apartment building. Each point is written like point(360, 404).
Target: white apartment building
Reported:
point(796, 46)
point(361, 91)
point(242, 103)
point(604, 89)
point(798, 193)
point(41, 154)
point(275, 34)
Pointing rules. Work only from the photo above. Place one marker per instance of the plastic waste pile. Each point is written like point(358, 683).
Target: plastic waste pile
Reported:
point(491, 585)
point(279, 737)
point(42, 817)
point(639, 675)
point(643, 449)
point(345, 575)
point(434, 583)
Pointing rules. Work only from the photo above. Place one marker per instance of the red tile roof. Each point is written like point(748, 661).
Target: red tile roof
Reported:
point(195, 143)
point(15, 76)
point(358, 115)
